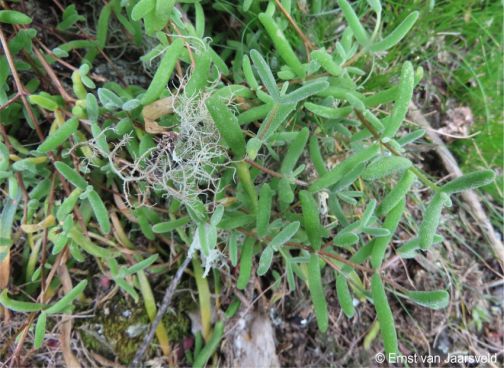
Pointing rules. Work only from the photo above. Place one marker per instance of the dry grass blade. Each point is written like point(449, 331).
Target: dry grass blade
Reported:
point(66, 326)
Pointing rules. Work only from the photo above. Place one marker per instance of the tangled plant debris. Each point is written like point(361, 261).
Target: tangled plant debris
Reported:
point(182, 164)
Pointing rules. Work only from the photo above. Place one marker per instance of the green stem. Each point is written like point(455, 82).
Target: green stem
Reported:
point(267, 123)
point(377, 27)
point(243, 171)
point(150, 308)
point(419, 173)
point(203, 289)
point(180, 231)
point(423, 178)
point(203, 298)
point(32, 260)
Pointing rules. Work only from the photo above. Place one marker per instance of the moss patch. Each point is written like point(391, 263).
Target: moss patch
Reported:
point(117, 330)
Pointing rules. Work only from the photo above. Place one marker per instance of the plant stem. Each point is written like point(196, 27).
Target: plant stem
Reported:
point(274, 173)
point(150, 308)
point(244, 174)
point(204, 299)
point(419, 173)
point(423, 178)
